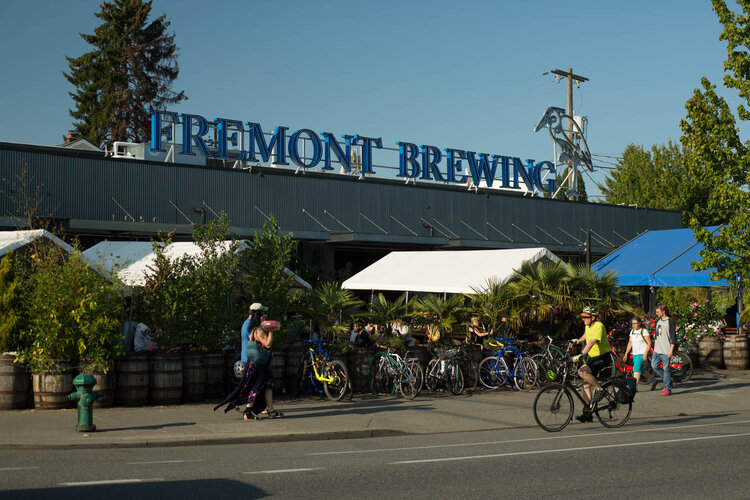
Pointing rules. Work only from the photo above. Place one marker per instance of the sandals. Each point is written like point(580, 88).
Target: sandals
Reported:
point(275, 414)
point(249, 415)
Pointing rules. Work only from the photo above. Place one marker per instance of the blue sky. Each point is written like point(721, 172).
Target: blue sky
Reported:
point(464, 75)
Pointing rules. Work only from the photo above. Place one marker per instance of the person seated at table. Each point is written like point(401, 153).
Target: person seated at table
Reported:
point(359, 336)
point(477, 333)
point(402, 331)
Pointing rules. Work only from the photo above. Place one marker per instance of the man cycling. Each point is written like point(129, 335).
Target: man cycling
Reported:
point(598, 357)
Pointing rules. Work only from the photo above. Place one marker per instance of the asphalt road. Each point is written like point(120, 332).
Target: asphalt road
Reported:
point(680, 457)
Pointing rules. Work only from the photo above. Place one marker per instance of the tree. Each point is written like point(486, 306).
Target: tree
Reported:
point(266, 278)
point(130, 71)
point(561, 195)
point(721, 158)
point(11, 306)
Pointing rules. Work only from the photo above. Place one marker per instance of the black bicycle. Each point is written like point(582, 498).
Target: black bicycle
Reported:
point(553, 405)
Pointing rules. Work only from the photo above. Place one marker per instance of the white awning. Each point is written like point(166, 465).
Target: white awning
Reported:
point(13, 240)
point(441, 271)
point(132, 260)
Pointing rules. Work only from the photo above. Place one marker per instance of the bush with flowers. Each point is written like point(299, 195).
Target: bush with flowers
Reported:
point(699, 319)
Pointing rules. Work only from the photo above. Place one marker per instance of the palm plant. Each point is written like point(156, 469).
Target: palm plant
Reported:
point(383, 312)
point(435, 311)
point(331, 307)
point(588, 287)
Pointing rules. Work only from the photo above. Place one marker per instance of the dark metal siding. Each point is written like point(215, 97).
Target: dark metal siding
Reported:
point(81, 187)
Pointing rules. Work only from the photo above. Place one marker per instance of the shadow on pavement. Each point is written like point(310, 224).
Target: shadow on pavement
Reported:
point(147, 427)
point(161, 490)
point(686, 418)
point(697, 387)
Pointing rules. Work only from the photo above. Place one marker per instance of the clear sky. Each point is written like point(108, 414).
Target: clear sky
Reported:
point(461, 74)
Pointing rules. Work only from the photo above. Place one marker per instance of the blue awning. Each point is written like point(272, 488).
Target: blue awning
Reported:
point(659, 258)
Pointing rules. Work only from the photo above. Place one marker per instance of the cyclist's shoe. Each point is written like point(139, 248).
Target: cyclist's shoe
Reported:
point(584, 417)
point(597, 396)
point(665, 392)
point(653, 384)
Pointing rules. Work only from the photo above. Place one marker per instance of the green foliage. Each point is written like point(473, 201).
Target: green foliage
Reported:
point(657, 179)
point(74, 313)
point(434, 311)
point(265, 277)
point(188, 298)
point(11, 306)
point(382, 312)
point(129, 71)
point(562, 194)
point(331, 308)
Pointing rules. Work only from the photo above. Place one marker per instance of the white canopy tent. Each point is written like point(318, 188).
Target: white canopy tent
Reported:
point(444, 271)
point(13, 240)
point(132, 260)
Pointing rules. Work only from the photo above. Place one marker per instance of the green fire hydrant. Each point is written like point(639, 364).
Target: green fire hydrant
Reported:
point(84, 383)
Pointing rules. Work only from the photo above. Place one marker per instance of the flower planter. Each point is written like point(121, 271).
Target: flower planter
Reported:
point(51, 388)
point(15, 384)
point(165, 378)
point(359, 365)
point(132, 380)
point(736, 352)
point(214, 375)
point(292, 361)
point(711, 353)
point(193, 376)
point(106, 386)
point(277, 371)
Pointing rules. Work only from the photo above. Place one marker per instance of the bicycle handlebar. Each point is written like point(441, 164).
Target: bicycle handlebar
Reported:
point(321, 341)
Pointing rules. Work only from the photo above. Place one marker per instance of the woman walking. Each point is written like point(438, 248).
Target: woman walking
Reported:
point(640, 344)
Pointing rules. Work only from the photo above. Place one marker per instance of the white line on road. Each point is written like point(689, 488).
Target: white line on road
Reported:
point(546, 438)
point(17, 468)
point(279, 471)
point(583, 448)
point(112, 481)
point(166, 462)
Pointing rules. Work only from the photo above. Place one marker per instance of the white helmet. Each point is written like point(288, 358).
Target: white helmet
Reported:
point(239, 368)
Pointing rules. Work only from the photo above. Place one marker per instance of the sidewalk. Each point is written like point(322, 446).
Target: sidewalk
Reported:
point(708, 392)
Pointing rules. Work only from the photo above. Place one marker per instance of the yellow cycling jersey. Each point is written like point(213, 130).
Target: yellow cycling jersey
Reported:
point(597, 331)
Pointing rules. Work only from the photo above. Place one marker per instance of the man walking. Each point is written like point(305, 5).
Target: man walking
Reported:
point(664, 342)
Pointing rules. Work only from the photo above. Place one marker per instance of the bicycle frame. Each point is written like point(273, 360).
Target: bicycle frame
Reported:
point(315, 357)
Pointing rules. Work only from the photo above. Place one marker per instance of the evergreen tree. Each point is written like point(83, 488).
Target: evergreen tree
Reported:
point(130, 71)
point(11, 310)
point(562, 194)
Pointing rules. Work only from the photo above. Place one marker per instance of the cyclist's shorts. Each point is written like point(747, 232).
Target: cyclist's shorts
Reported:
point(637, 363)
point(598, 363)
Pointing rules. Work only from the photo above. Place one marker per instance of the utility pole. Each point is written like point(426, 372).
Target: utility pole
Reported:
point(578, 79)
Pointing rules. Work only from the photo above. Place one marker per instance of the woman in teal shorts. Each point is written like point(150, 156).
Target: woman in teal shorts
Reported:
point(640, 344)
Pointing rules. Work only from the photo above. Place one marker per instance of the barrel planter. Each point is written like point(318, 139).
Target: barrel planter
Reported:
point(165, 378)
point(193, 376)
point(359, 364)
point(15, 384)
point(694, 350)
point(229, 359)
point(51, 388)
point(736, 352)
point(105, 386)
point(214, 363)
point(711, 353)
point(292, 361)
point(131, 386)
point(277, 372)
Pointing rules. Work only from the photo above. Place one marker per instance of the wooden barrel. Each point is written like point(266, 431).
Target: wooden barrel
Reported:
point(52, 388)
point(131, 386)
point(214, 375)
point(711, 353)
point(277, 371)
point(165, 378)
point(193, 376)
point(736, 352)
point(229, 359)
point(291, 366)
point(106, 386)
point(15, 384)
point(359, 364)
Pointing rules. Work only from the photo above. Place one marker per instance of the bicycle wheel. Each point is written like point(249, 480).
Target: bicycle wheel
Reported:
point(377, 375)
point(492, 372)
point(609, 411)
point(455, 380)
point(553, 408)
point(303, 374)
point(337, 388)
point(431, 376)
point(524, 374)
point(413, 379)
point(472, 372)
point(682, 367)
point(542, 367)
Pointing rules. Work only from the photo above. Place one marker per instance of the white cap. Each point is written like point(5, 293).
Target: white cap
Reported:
point(257, 306)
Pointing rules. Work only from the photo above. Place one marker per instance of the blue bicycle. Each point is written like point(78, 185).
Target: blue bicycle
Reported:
point(495, 371)
point(318, 369)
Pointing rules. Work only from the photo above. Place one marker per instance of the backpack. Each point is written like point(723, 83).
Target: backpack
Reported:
point(625, 388)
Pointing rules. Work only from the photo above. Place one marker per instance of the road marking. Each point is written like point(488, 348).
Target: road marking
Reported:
point(279, 471)
point(523, 440)
point(583, 448)
point(112, 481)
point(166, 462)
point(17, 468)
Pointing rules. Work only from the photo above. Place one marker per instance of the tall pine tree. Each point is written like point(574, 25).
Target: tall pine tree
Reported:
point(130, 71)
